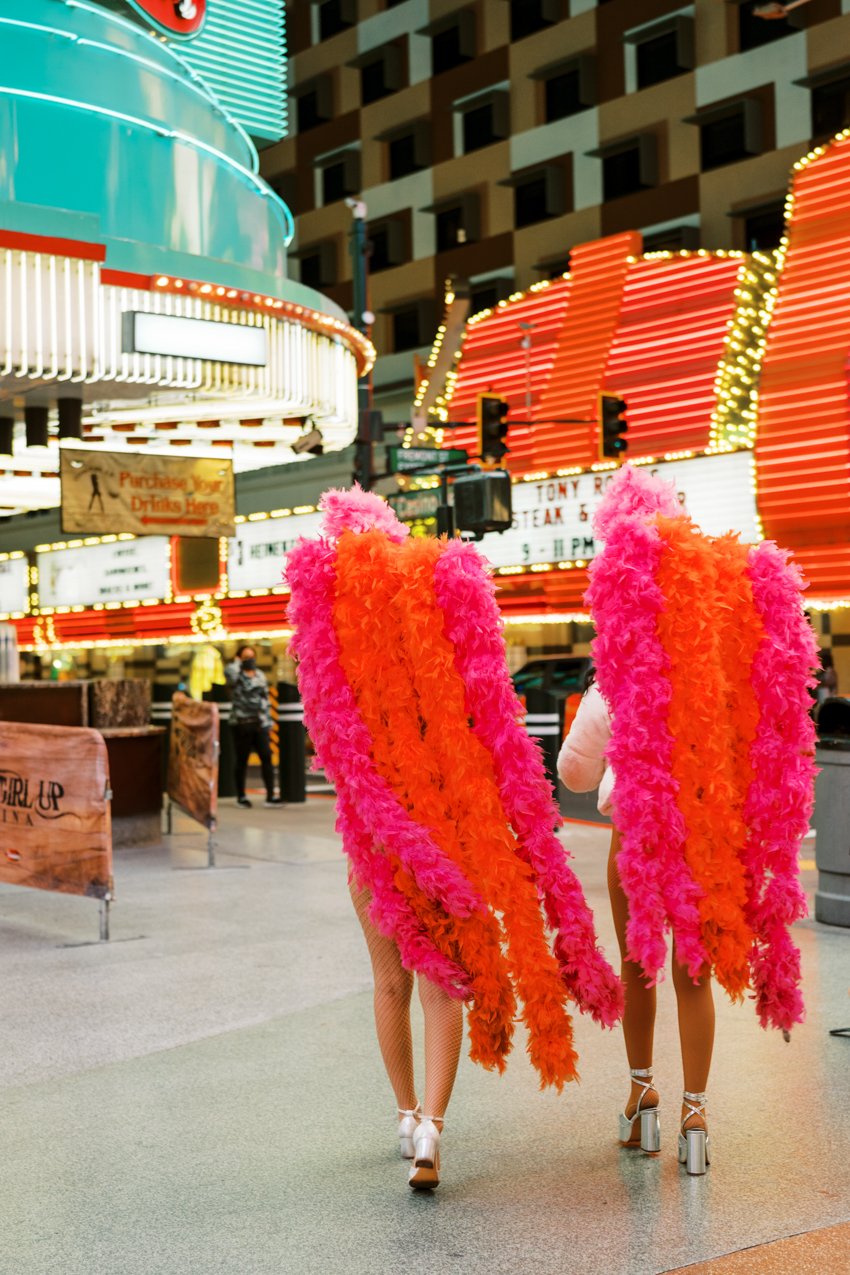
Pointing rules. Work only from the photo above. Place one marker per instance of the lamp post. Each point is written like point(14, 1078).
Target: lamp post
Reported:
point(525, 344)
point(362, 318)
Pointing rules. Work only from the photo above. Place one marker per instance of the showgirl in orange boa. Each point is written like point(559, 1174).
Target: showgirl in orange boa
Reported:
point(443, 806)
point(700, 715)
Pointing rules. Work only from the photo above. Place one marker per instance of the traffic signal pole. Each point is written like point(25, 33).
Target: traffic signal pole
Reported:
point(362, 319)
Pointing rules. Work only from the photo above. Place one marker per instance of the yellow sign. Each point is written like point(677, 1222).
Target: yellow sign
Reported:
point(104, 493)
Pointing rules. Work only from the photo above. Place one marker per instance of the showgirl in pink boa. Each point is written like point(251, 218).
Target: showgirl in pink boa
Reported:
point(704, 664)
point(443, 806)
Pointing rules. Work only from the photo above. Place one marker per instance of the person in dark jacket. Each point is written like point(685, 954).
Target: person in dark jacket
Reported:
point(251, 721)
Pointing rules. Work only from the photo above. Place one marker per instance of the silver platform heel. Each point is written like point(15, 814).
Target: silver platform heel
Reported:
point(406, 1129)
point(650, 1123)
point(425, 1170)
point(694, 1145)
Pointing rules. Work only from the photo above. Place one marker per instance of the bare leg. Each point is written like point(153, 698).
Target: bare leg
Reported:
point(443, 1037)
point(696, 1032)
point(639, 1015)
point(393, 990)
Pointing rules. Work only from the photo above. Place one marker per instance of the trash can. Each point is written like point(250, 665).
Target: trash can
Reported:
point(293, 743)
point(832, 813)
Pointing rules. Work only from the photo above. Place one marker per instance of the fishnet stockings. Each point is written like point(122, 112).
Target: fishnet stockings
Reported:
point(443, 1021)
point(694, 1000)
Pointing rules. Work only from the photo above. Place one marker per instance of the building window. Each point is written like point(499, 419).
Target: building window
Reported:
point(413, 326)
point(657, 59)
point(380, 74)
point(830, 108)
point(554, 267)
point(483, 121)
point(672, 239)
point(408, 152)
point(764, 229)
point(451, 231)
point(336, 16)
point(314, 104)
point(452, 42)
point(753, 31)
point(731, 134)
point(630, 167)
point(318, 265)
point(340, 176)
point(457, 223)
point(563, 95)
point(539, 195)
point(528, 16)
point(487, 293)
point(662, 54)
point(568, 86)
point(387, 247)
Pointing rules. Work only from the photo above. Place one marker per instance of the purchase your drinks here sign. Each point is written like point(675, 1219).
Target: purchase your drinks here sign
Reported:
point(145, 495)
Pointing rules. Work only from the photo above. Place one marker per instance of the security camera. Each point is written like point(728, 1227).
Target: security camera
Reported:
point(311, 442)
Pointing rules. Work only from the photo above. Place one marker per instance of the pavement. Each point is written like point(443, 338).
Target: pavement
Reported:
point(204, 1094)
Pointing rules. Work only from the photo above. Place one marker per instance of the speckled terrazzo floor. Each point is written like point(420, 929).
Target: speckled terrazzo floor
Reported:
point(204, 1095)
point(824, 1252)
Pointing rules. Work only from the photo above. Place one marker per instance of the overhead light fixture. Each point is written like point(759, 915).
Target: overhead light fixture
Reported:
point(311, 442)
point(35, 424)
point(70, 417)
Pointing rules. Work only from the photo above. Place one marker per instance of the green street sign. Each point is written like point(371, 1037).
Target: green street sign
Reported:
point(401, 460)
point(409, 506)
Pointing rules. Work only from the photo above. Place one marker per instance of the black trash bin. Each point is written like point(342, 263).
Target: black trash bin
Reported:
point(832, 812)
point(292, 743)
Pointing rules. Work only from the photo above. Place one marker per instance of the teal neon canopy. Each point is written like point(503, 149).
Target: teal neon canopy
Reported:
point(108, 135)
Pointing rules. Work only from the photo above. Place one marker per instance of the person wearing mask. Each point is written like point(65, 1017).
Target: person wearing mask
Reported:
point(250, 720)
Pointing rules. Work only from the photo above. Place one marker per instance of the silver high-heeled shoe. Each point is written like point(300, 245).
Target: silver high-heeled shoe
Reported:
point(406, 1129)
point(694, 1144)
point(425, 1170)
point(650, 1123)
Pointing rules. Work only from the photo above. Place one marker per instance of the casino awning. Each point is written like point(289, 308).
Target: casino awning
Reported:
point(143, 264)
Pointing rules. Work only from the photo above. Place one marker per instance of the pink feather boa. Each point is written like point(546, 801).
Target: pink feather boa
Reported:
point(779, 801)
point(465, 593)
point(342, 744)
point(625, 602)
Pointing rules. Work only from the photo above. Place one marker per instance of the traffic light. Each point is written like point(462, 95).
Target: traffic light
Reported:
point(482, 502)
point(492, 426)
point(612, 426)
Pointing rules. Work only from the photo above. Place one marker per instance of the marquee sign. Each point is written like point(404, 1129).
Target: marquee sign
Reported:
point(553, 516)
point(14, 584)
point(117, 571)
point(181, 18)
point(255, 555)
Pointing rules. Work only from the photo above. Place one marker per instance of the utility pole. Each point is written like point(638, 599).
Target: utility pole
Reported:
point(362, 318)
